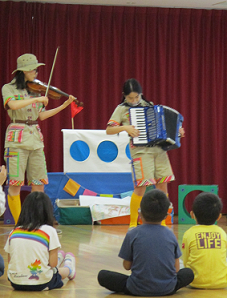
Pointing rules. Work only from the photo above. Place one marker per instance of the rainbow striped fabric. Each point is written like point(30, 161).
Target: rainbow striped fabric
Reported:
point(15, 97)
point(35, 235)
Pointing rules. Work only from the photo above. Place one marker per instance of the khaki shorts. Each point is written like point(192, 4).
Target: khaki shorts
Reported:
point(151, 168)
point(32, 161)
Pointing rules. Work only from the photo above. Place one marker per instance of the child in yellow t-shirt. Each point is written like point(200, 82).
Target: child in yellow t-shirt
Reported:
point(204, 245)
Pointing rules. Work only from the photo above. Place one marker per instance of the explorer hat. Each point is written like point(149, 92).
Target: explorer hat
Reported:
point(27, 62)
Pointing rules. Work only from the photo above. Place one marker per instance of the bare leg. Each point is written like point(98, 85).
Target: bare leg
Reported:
point(140, 191)
point(14, 190)
point(38, 188)
point(64, 272)
point(163, 187)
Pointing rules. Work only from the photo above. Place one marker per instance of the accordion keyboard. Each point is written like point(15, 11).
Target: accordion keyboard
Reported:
point(142, 119)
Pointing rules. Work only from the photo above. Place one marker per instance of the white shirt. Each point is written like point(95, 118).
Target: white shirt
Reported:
point(29, 255)
point(2, 201)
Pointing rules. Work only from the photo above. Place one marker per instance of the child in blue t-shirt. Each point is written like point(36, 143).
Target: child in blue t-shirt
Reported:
point(151, 252)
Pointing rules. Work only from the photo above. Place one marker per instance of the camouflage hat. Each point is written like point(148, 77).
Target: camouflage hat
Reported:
point(27, 62)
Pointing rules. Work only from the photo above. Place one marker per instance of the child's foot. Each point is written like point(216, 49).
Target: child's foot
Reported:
point(61, 257)
point(59, 232)
point(70, 262)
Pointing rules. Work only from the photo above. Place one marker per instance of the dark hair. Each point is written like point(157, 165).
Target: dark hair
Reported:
point(37, 210)
point(20, 80)
point(132, 85)
point(154, 205)
point(207, 207)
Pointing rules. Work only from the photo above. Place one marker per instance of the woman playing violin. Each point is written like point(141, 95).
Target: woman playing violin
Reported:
point(24, 140)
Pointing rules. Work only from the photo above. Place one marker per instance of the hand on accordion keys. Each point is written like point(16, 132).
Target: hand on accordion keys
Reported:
point(132, 131)
point(158, 125)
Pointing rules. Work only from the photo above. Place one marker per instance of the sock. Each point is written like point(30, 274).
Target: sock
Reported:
point(163, 223)
point(134, 206)
point(68, 264)
point(14, 206)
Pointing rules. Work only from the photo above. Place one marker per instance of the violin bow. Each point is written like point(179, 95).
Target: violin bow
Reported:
point(52, 69)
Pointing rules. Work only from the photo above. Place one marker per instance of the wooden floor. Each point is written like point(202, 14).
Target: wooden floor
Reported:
point(95, 247)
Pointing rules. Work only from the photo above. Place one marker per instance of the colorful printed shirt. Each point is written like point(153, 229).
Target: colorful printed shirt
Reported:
point(20, 135)
point(29, 255)
point(204, 251)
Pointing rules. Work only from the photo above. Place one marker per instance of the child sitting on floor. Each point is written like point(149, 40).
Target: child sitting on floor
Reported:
point(204, 245)
point(32, 248)
point(152, 254)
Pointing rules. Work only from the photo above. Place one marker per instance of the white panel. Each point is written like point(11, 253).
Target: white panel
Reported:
point(93, 163)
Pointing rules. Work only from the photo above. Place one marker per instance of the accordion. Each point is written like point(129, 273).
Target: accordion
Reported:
point(158, 125)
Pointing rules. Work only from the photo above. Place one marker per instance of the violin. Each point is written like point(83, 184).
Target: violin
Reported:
point(53, 92)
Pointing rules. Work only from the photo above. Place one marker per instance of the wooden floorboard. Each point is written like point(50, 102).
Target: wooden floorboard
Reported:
point(95, 247)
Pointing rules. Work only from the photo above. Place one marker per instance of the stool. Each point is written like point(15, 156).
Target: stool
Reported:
point(183, 215)
point(8, 219)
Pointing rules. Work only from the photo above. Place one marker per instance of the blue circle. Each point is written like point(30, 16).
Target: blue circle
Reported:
point(107, 151)
point(79, 150)
point(127, 152)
